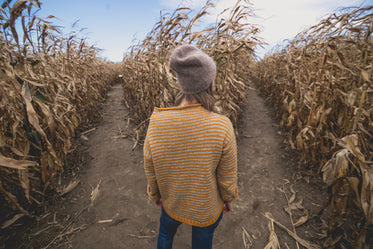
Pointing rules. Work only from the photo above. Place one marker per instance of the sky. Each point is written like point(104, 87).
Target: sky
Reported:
point(115, 25)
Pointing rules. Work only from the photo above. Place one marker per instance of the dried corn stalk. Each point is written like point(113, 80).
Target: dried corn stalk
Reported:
point(49, 87)
point(321, 86)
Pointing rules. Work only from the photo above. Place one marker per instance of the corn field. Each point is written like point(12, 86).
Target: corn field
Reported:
point(148, 81)
point(51, 86)
point(320, 84)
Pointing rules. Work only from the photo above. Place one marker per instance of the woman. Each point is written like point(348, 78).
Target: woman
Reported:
point(190, 154)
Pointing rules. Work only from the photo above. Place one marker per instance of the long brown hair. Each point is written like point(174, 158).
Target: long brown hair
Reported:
point(205, 98)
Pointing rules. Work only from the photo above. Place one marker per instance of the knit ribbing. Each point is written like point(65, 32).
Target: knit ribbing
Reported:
point(190, 160)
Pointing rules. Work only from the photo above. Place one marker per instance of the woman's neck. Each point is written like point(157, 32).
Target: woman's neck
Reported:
point(184, 102)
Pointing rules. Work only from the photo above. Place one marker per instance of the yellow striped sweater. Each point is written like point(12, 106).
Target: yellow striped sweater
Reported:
point(190, 161)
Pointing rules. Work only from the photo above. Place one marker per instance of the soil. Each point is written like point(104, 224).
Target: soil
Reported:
point(119, 214)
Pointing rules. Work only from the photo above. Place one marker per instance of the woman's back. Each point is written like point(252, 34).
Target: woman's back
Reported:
point(192, 150)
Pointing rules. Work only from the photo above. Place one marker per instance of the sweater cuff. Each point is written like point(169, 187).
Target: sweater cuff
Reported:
point(153, 196)
point(234, 197)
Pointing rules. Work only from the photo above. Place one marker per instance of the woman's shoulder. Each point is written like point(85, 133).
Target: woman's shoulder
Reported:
point(224, 120)
point(219, 116)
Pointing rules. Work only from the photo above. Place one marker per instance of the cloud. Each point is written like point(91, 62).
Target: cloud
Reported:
point(284, 19)
point(220, 6)
point(279, 20)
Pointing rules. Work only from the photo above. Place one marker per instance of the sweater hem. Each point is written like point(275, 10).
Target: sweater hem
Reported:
point(195, 223)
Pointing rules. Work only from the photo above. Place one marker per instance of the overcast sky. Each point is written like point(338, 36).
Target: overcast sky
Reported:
point(113, 24)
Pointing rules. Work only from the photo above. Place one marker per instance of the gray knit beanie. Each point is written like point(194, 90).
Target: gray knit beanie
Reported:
point(194, 69)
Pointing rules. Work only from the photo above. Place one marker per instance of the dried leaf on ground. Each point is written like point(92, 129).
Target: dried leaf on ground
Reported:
point(273, 242)
point(302, 220)
point(72, 185)
point(95, 192)
point(248, 241)
point(301, 241)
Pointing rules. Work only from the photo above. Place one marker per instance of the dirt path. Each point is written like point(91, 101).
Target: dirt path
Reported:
point(122, 217)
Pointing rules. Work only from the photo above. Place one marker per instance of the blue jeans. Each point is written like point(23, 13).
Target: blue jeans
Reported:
point(201, 236)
